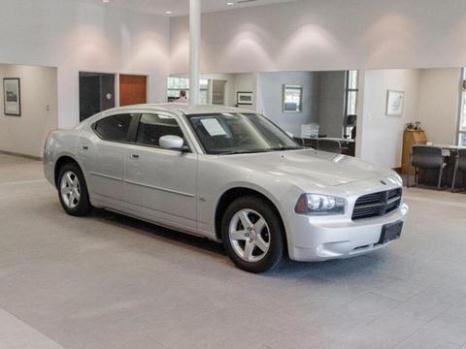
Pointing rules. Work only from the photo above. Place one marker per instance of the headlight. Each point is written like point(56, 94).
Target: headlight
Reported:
point(320, 205)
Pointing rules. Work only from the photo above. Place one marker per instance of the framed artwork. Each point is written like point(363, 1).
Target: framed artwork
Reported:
point(244, 98)
point(12, 96)
point(395, 103)
point(292, 98)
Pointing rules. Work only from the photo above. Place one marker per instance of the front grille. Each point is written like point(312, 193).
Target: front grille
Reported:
point(377, 204)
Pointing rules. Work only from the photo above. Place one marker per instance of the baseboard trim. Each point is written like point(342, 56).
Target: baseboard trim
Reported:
point(31, 157)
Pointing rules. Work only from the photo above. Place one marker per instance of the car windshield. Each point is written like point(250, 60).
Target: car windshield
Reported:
point(239, 133)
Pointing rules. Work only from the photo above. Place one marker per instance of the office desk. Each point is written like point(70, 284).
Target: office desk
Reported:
point(347, 144)
point(449, 150)
point(430, 177)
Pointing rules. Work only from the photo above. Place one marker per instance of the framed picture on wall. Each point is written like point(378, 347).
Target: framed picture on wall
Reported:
point(12, 96)
point(244, 98)
point(395, 103)
point(292, 99)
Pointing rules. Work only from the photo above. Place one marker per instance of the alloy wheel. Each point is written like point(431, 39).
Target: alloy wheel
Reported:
point(249, 235)
point(70, 189)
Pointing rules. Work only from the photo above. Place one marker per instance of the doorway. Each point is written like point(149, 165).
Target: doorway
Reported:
point(96, 93)
point(218, 92)
point(133, 89)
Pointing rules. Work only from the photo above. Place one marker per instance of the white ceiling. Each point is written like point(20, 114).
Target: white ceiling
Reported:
point(181, 7)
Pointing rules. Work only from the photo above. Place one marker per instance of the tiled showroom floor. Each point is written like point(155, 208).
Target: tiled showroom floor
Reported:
point(110, 282)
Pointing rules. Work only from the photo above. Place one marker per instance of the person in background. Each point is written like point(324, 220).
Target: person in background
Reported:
point(182, 98)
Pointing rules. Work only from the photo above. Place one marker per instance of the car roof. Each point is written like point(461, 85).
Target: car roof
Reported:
point(184, 108)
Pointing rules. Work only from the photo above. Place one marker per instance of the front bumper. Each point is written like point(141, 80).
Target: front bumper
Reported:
point(319, 239)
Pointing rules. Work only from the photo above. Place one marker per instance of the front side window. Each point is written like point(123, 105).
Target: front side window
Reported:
point(233, 133)
point(114, 128)
point(462, 120)
point(352, 90)
point(351, 108)
point(154, 126)
point(177, 84)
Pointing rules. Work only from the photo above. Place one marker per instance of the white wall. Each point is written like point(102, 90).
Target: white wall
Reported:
point(25, 134)
point(381, 135)
point(328, 35)
point(439, 99)
point(76, 36)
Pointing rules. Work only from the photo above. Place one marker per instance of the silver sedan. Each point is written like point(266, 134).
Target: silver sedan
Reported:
point(227, 175)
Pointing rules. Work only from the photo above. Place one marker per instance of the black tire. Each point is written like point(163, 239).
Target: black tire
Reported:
point(274, 234)
point(81, 207)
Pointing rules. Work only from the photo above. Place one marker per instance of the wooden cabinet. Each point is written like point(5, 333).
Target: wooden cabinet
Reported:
point(410, 138)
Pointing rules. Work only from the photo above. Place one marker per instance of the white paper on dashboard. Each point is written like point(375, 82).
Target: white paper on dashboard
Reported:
point(213, 127)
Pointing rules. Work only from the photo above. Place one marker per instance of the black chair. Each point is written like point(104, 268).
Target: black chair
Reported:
point(329, 145)
point(350, 121)
point(460, 165)
point(426, 157)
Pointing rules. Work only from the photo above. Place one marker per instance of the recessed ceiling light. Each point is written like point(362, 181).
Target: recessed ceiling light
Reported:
point(168, 12)
point(105, 1)
point(230, 3)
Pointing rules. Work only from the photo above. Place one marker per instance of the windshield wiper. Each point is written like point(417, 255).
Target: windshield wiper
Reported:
point(282, 148)
point(233, 152)
point(291, 147)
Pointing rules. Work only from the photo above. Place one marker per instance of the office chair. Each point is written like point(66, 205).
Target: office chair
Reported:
point(427, 157)
point(460, 165)
point(329, 145)
point(350, 121)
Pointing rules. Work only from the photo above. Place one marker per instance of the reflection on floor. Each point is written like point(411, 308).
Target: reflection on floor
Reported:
point(110, 282)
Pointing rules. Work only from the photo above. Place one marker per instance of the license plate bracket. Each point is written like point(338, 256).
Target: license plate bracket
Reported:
point(391, 232)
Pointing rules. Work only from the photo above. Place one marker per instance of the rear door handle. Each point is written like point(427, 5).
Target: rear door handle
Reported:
point(135, 156)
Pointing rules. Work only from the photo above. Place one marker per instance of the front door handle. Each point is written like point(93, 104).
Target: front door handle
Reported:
point(135, 156)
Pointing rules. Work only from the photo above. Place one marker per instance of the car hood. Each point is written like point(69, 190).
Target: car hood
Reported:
point(318, 167)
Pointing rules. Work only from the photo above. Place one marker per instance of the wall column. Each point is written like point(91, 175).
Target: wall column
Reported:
point(195, 48)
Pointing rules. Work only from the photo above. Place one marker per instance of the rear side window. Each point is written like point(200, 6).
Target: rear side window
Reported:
point(153, 126)
point(114, 128)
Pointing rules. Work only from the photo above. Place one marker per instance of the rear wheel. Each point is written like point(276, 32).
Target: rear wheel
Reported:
point(72, 190)
point(253, 235)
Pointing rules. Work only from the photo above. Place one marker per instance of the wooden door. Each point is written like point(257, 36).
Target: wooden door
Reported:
point(133, 89)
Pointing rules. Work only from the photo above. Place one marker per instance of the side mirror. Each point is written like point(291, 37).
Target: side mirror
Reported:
point(172, 142)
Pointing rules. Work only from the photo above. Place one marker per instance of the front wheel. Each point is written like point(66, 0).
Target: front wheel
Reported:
point(253, 235)
point(72, 190)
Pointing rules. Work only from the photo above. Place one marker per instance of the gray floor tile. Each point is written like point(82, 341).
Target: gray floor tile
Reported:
point(15, 334)
point(425, 339)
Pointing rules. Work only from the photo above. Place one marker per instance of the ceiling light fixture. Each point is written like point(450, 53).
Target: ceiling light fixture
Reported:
point(105, 1)
point(230, 3)
point(168, 12)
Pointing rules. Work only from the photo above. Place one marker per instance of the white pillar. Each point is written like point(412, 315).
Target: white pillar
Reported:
point(195, 48)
